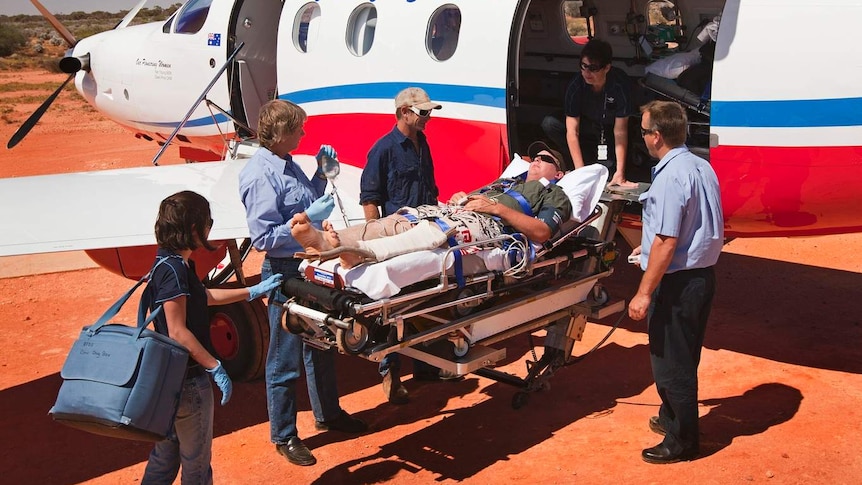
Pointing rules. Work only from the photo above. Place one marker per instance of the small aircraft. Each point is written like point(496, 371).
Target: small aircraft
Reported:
point(782, 138)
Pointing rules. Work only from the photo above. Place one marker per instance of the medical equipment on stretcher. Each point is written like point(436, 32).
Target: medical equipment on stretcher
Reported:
point(454, 314)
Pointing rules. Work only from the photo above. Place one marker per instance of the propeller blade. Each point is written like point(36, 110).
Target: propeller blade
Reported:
point(131, 15)
point(60, 28)
point(34, 118)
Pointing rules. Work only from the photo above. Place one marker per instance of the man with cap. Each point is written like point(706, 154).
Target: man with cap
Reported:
point(533, 205)
point(399, 172)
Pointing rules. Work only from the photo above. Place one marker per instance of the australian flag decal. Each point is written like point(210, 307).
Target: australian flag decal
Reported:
point(214, 39)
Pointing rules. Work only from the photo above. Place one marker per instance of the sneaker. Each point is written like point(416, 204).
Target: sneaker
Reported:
point(344, 423)
point(445, 375)
point(395, 392)
point(296, 452)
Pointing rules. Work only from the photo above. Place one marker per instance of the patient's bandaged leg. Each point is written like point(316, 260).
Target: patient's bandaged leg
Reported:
point(424, 235)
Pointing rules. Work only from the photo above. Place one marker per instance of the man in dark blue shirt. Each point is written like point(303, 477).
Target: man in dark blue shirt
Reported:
point(399, 173)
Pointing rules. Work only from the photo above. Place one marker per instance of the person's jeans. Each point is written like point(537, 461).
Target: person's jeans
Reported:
point(283, 362)
point(190, 441)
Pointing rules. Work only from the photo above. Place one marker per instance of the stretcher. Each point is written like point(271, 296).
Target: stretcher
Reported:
point(476, 298)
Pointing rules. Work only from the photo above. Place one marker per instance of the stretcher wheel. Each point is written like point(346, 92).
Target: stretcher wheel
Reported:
point(600, 295)
point(460, 347)
point(354, 340)
point(520, 399)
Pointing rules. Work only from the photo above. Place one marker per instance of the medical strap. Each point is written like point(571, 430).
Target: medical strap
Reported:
point(458, 264)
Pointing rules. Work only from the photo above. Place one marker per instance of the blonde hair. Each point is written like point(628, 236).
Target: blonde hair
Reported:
point(278, 118)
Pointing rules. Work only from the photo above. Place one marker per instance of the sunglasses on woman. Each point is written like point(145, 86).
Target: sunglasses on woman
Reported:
point(591, 67)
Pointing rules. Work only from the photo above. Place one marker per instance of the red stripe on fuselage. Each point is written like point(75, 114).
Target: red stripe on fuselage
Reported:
point(467, 154)
point(787, 191)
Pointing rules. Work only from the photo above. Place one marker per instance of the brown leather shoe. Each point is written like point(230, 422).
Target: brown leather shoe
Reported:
point(395, 392)
point(296, 452)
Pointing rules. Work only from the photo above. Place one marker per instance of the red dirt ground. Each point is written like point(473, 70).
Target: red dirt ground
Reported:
point(780, 378)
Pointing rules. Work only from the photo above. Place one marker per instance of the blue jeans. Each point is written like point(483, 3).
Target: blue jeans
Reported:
point(190, 442)
point(283, 366)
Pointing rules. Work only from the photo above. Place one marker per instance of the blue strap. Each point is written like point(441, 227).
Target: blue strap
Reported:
point(459, 266)
point(525, 206)
point(115, 308)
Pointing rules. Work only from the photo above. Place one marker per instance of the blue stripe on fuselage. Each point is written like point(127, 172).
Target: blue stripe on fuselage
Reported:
point(804, 113)
point(205, 121)
point(443, 93)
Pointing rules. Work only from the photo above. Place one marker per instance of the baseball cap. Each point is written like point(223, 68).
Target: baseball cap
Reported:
point(415, 97)
point(538, 146)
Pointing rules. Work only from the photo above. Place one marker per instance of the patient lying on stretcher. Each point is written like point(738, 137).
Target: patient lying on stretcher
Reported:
point(534, 206)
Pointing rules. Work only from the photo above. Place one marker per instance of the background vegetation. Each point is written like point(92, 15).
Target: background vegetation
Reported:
point(29, 41)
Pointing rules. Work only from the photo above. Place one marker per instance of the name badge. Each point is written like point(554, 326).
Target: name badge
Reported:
point(603, 152)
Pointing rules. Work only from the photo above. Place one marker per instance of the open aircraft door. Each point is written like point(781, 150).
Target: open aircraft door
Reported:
point(253, 79)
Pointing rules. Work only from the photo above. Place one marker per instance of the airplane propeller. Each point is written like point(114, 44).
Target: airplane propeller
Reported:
point(68, 64)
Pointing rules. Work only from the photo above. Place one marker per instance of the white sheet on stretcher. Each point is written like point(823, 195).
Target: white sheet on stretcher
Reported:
point(385, 279)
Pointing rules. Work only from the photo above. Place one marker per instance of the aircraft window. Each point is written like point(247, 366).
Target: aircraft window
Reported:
point(192, 17)
point(360, 29)
point(305, 26)
point(579, 26)
point(443, 31)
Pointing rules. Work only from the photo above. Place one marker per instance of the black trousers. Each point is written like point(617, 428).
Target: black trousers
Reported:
point(677, 323)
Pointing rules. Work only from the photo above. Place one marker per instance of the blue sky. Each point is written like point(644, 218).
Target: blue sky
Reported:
point(15, 7)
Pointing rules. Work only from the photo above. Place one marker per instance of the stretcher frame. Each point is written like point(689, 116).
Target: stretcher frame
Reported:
point(557, 290)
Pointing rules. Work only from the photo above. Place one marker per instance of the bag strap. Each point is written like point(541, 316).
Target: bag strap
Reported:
point(115, 308)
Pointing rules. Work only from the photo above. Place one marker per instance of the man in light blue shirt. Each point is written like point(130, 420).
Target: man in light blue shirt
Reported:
point(274, 189)
point(683, 233)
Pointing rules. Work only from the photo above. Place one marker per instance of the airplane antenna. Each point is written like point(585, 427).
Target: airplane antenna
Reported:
point(196, 103)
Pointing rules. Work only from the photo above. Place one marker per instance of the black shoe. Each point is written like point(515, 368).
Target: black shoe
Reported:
point(344, 423)
point(656, 427)
point(660, 455)
point(296, 452)
point(395, 392)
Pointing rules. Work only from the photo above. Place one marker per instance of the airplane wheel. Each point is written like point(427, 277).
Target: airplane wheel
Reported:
point(520, 400)
point(240, 337)
point(220, 276)
point(354, 340)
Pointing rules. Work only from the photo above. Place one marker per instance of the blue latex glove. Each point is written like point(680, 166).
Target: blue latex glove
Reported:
point(325, 150)
point(264, 287)
point(320, 208)
point(222, 381)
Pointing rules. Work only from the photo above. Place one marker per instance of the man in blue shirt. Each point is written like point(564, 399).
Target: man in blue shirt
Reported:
point(683, 233)
point(273, 189)
point(399, 173)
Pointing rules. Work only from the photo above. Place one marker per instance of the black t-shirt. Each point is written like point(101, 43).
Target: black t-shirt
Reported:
point(597, 110)
point(172, 279)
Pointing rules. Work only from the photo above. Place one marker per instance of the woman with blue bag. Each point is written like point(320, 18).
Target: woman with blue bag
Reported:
point(183, 225)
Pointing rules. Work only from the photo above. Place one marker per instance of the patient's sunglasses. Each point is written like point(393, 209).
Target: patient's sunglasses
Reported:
point(547, 159)
point(591, 67)
point(422, 113)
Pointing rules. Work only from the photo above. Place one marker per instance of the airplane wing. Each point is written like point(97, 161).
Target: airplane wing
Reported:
point(111, 208)
point(117, 208)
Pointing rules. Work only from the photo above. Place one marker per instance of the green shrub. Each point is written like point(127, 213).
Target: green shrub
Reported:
point(11, 39)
